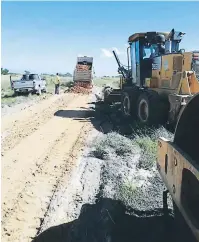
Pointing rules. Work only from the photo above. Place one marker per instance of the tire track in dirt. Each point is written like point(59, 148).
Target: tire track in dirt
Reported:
point(21, 161)
point(9, 120)
point(29, 180)
point(28, 123)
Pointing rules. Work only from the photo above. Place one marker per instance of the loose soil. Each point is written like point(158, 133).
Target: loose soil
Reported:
point(54, 189)
point(38, 147)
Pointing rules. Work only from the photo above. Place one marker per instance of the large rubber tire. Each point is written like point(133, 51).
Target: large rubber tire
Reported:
point(16, 93)
point(44, 90)
point(181, 225)
point(126, 105)
point(107, 91)
point(187, 133)
point(151, 110)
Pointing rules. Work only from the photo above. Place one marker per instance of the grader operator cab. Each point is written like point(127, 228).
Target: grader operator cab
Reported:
point(159, 80)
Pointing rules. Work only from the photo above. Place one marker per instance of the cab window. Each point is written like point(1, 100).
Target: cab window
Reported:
point(149, 51)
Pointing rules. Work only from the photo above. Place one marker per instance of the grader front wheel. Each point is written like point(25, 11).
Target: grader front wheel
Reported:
point(126, 105)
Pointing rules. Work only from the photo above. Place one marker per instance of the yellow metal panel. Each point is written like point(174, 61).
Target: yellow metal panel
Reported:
point(189, 83)
point(194, 83)
point(156, 78)
point(167, 66)
point(187, 60)
point(171, 67)
point(171, 165)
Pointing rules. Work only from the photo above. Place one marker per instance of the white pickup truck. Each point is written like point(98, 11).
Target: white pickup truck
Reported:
point(29, 83)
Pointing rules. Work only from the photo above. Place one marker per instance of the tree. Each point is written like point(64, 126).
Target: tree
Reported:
point(68, 74)
point(4, 71)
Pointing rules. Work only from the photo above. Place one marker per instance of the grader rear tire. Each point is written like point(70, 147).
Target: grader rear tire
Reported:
point(150, 109)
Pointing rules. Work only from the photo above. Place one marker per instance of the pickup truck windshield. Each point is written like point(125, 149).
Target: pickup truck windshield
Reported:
point(25, 77)
point(33, 77)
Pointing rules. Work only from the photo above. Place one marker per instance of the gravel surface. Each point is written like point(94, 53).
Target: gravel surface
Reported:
point(110, 198)
point(39, 147)
point(21, 103)
point(91, 207)
point(112, 192)
point(24, 102)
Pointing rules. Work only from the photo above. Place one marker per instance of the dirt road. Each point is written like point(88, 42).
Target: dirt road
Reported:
point(39, 145)
point(63, 179)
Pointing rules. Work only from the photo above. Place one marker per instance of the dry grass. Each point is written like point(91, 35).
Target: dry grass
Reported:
point(147, 140)
point(112, 144)
point(113, 82)
point(143, 139)
point(126, 192)
point(5, 81)
point(7, 95)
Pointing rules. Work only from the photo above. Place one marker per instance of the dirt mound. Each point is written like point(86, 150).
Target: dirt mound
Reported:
point(81, 87)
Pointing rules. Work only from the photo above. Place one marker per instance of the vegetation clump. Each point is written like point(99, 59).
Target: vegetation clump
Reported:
point(112, 144)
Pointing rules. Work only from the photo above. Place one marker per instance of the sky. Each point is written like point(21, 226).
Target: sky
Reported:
point(47, 37)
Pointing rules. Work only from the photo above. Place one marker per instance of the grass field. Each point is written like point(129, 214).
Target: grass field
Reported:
point(7, 94)
point(5, 80)
point(8, 98)
point(113, 82)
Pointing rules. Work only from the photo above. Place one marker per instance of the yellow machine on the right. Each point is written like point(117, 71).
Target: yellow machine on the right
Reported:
point(178, 164)
point(161, 85)
point(159, 80)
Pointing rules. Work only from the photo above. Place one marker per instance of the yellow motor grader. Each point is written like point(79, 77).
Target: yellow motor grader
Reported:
point(161, 85)
point(159, 80)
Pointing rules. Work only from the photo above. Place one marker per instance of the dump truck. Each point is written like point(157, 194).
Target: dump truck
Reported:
point(83, 73)
point(178, 164)
point(159, 79)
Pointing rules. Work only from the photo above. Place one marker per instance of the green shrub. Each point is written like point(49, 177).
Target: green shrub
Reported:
point(112, 144)
point(126, 193)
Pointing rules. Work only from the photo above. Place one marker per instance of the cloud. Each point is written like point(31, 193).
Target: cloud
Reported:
point(118, 51)
point(108, 52)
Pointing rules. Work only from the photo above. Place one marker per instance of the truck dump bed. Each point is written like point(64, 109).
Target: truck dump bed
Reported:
point(83, 69)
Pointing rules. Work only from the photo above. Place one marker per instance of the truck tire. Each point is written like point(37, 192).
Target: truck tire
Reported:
point(126, 105)
point(16, 93)
point(151, 110)
point(39, 91)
